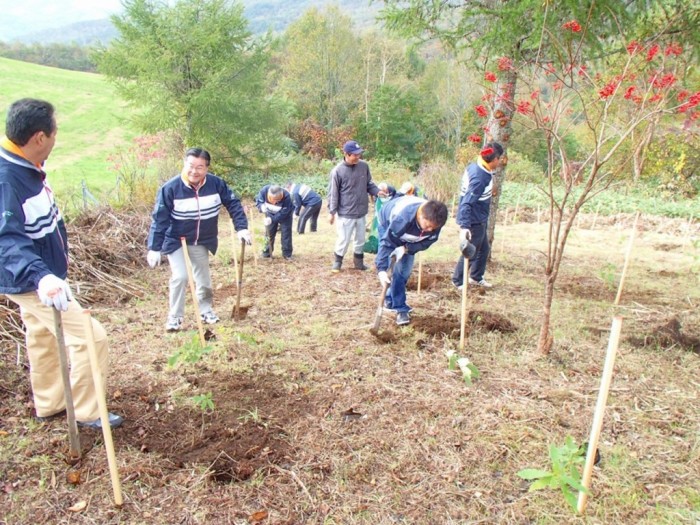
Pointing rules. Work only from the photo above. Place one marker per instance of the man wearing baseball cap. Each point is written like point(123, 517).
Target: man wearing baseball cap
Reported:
point(351, 183)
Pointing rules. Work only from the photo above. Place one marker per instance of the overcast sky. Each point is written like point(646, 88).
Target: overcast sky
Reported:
point(28, 16)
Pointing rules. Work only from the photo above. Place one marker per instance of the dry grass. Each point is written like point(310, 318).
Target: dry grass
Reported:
point(317, 422)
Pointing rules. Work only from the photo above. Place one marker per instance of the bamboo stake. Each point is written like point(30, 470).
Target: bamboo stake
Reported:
point(75, 452)
point(627, 261)
point(233, 249)
point(465, 285)
point(615, 330)
point(251, 223)
point(193, 289)
point(420, 272)
point(102, 405)
point(538, 214)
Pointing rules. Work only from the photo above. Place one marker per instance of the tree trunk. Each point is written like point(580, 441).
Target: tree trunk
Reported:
point(545, 340)
point(499, 129)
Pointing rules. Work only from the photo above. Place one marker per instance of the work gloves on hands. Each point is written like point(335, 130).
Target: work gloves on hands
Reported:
point(465, 235)
point(398, 253)
point(267, 221)
point(54, 292)
point(384, 278)
point(153, 258)
point(244, 235)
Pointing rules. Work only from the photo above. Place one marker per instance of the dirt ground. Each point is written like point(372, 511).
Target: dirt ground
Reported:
point(316, 420)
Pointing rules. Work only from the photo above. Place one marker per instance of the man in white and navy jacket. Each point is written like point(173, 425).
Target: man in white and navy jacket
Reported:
point(276, 203)
point(34, 266)
point(304, 197)
point(406, 226)
point(473, 213)
point(188, 206)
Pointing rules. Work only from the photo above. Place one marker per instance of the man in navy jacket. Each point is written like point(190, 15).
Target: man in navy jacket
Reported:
point(304, 197)
point(188, 206)
point(473, 213)
point(406, 225)
point(34, 266)
point(276, 203)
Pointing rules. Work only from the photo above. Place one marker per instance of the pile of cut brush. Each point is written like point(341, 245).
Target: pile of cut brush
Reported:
point(106, 248)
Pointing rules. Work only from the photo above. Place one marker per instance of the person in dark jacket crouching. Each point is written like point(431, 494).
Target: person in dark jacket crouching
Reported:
point(276, 203)
point(188, 206)
point(34, 266)
point(307, 206)
point(407, 225)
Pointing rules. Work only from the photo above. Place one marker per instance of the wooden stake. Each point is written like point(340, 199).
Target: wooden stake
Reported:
point(75, 452)
point(420, 272)
point(236, 314)
point(193, 289)
point(538, 214)
point(102, 406)
point(613, 342)
point(627, 261)
point(465, 285)
point(233, 248)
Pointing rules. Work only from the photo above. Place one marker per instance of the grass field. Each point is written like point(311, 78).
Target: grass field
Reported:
point(91, 122)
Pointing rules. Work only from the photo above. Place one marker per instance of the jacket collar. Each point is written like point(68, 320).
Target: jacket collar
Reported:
point(15, 150)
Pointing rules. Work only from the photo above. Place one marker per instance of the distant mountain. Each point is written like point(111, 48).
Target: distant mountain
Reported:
point(262, 15)
point(85, 33)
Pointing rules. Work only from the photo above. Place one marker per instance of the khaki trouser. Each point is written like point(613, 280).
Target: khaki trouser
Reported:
point(44, 364)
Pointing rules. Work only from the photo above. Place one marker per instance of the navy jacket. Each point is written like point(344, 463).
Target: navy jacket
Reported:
point(33, 240)
point(303, 195)
point(284, 208)
point(475, 196)
point(183, 211)
point(397, 221)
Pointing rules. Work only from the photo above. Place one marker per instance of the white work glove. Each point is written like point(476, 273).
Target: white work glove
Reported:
point(267, 221)
point(244, 235)
point(153, 258)
point(465, 235)
point(384, 278)
point(54, 292)
point(263, 207)
point(398, 253)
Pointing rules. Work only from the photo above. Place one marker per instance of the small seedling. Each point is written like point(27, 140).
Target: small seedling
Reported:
point(468, 369)
point(204, 402)
point(564, 474)
point(608, 274)
point(252, 415)
point(191, 352)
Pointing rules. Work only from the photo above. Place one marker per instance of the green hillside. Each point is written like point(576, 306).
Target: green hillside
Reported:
point(91, 122)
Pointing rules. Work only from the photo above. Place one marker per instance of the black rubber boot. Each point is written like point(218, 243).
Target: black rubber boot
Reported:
point(358, 259)
point(337, 263)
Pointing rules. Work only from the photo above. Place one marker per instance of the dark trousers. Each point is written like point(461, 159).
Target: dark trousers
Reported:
point(477, 266)
point(309, 212)
point(285, 227)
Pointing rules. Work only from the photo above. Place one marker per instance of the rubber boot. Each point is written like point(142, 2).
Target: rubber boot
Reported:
point(358, 259)
point(337, 263)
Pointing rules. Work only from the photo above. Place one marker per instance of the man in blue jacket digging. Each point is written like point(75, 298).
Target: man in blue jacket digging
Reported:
point(406, 226)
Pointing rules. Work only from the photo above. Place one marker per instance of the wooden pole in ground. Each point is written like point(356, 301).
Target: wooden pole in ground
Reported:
point(233, 249)
point(100, 392)
point(193, 289)
point(465, 285)
point(595, 217)
point(236, 314)
point(627, 261)
point(75, 452)
point(599, 411)
point(420, 272)
point(608, 368)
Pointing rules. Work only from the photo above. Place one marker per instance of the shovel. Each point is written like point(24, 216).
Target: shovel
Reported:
point(67, 392)
point(236, 314)
point(380, 307)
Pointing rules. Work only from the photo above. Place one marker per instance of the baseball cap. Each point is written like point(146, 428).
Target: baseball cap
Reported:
point(352, 147)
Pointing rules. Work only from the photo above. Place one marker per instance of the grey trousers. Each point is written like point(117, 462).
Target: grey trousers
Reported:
point(199, 256)
point(345, 227)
